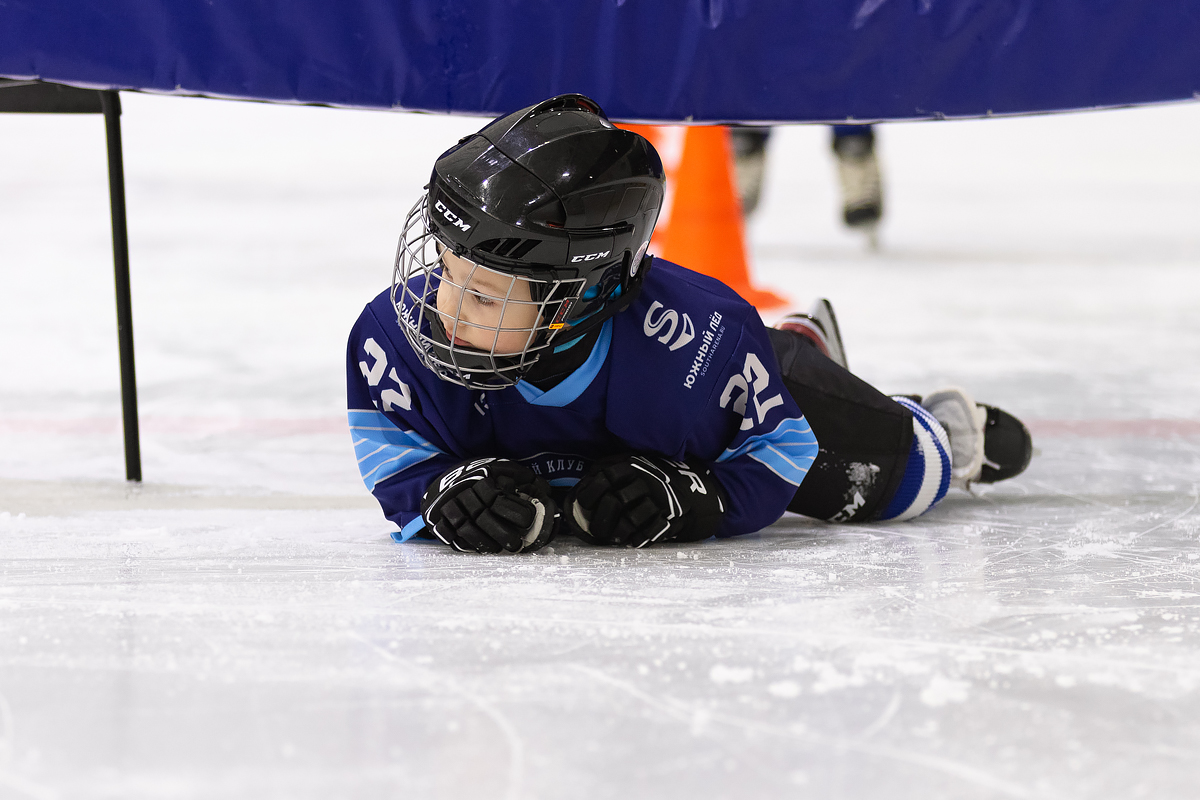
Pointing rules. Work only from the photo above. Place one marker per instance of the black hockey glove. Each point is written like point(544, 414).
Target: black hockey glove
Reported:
point(490, 505)
point(638, 500)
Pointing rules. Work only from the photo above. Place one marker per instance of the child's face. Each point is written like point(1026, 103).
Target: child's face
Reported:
point(476, 298)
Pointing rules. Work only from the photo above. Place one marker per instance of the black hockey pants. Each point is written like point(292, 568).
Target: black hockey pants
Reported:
point(864, 436)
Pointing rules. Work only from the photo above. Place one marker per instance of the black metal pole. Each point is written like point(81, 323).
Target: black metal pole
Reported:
point(111, 103)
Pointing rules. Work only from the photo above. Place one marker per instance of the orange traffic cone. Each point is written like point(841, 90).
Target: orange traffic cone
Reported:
point(705, 231)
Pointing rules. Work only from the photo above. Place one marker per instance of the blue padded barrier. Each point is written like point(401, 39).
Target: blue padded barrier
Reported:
point(650, 60)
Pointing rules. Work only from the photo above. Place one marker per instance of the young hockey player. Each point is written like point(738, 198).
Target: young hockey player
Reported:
point(532, 371)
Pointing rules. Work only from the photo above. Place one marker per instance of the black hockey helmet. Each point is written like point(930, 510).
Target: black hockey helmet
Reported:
point(553, 194)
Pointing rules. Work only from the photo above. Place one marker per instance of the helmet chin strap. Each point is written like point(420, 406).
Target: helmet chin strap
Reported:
point(551, 367)
point(556, 365)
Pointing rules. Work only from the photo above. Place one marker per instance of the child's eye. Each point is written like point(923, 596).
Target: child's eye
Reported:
point(484, 300)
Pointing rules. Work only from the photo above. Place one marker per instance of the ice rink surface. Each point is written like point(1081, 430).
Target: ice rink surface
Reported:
point(242, 626)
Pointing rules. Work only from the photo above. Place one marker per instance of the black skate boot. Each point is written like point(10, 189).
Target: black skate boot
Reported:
point(987, 444)
point(1007, 446)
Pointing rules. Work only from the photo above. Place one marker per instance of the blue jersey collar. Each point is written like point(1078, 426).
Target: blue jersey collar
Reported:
point(574, 385)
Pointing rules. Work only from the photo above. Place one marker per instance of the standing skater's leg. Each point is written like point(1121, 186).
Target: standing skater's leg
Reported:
point(750, 161)
point(858, 173)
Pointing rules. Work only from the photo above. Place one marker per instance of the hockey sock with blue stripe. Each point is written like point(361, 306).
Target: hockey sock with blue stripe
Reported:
point(927, 473)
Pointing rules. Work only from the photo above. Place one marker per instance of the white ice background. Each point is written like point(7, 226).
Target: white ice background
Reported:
point(242, 626)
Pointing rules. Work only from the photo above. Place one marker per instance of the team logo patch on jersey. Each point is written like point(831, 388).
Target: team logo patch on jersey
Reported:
point(669, 319)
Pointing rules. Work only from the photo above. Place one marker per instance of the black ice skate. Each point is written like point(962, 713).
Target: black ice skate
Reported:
point(750, 158)
point(862, 189)
point(987, 444)
point(820, 327)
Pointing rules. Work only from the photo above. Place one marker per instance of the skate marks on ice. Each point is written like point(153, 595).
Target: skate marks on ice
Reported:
point(849, 659)
point(702, 721)
point(1039, 640)
point(441, 682)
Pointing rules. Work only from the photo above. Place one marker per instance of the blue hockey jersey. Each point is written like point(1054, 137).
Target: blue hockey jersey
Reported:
point(687, 371)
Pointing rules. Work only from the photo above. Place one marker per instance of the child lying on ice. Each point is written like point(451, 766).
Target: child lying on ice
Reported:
point(532, 371)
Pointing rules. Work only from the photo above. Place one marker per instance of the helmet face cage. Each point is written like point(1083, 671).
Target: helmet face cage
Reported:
point(509, 319)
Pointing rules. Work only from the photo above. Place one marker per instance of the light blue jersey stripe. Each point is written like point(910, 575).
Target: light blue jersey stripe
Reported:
point(788, 451)
point(383, 449)
point(414, 526)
